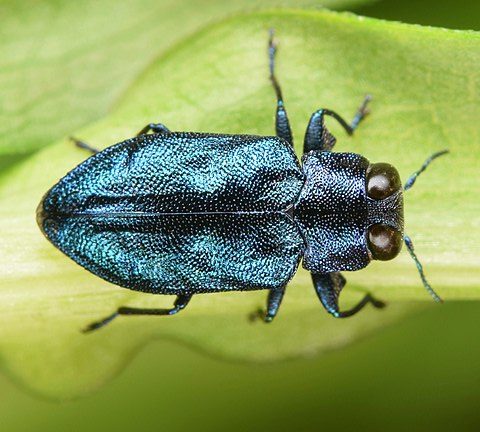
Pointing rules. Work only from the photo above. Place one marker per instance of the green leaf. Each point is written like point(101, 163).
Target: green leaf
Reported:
point(65, 64)
point(426, 87)
point(457, 14)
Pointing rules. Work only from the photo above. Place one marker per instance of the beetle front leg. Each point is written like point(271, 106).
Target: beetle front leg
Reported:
point(274, 300)
point(328, 287)
point(155, 128)
point(282, 124)
point(318, 137)
point(180, 303)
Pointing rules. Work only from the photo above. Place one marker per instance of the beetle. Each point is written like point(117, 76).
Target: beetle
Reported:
point(188, 213)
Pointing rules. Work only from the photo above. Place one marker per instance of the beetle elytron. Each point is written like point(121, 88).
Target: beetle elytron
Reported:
point(188, 213)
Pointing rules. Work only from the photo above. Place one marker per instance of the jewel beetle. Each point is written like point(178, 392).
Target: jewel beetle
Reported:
point(185, 213)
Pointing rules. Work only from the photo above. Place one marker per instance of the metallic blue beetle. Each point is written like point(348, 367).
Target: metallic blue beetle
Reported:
point(188, 213)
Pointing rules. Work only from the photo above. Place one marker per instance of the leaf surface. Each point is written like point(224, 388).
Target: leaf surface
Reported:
point(425, 99)
point(65, 64)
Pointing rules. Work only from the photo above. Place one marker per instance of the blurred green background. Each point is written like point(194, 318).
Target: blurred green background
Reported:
point(421, 374)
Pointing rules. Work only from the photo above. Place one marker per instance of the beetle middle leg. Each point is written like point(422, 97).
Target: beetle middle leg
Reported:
point(282, 124)
point(318, 137)
point(328, 287)
point(274, 300)
point(180, 303)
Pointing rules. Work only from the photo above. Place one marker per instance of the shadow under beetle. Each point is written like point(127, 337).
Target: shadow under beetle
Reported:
point(189, 213)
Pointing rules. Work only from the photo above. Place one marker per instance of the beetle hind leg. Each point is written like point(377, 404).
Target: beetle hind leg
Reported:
point(328, 287)
point(180, 303)
point(83, 145)
point(155, 128)
point(151, 127)
point(99, 324)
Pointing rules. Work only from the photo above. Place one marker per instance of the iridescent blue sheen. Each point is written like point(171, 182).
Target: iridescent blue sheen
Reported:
point(187, 213)
point(182, 213)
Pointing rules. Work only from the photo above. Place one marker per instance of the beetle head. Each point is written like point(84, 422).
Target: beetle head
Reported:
point(350, 211)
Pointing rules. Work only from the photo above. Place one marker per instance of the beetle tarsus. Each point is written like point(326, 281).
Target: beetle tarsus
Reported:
point(318, 137)
point(329, 286)
point(282, 124)
point(83, 145)
point(99, 324)
point(378, 304)
point(361, 113)
point(179, 304)
point(359, 306)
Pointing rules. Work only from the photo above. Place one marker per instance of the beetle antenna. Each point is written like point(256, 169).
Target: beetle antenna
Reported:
point(409, 244)
point(411, 180)
point(408, 241)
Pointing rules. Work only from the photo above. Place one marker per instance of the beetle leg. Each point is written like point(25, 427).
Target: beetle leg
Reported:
point(179, 304)
point(274, 300)
point(328, 287)
point(282, 125)
point(318, 137)
point(155, 128)
point(361, 113)
point(83, 145)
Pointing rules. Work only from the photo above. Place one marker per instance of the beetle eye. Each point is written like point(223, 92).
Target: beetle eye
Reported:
point(384, 242)
point(382, 181)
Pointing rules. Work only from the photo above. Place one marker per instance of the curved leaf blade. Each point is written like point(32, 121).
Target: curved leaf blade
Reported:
point(216, 81)
point(65, 64)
